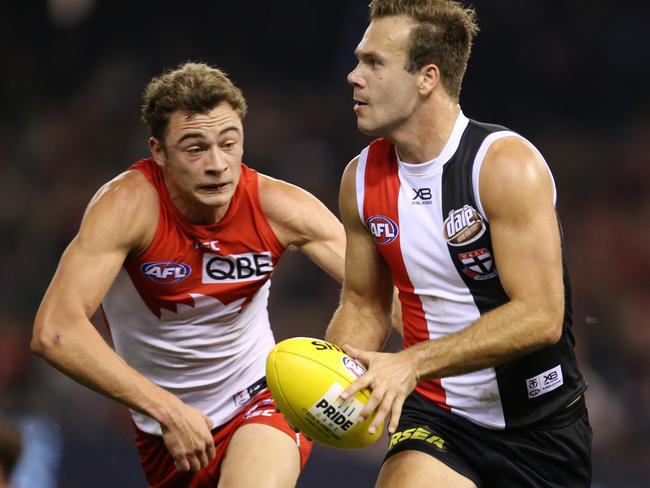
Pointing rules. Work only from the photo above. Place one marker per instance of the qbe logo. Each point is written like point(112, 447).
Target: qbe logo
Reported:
point(236, 268)
point(383, 229)
point(353, 366)
point(166, 272)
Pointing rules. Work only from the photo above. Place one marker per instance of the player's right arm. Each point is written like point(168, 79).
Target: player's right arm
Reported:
point(363, 318)
point(120, 220)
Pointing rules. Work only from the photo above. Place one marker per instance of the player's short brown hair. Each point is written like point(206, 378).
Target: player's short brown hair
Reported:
point(194, 87)
point(443, 35)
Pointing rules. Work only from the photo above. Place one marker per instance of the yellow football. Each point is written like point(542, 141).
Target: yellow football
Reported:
point(306, 377)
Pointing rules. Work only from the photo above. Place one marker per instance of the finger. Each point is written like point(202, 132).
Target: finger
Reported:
point(360, 355)
point(395, 414)
point(182, 464)
point(211, 450)
point(358, 385)
point(371, 405)
point(202, 456)
point(208, 422)
point(195, 464)
point(381, 414)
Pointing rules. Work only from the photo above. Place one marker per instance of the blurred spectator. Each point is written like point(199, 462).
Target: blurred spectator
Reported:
point(10, 448)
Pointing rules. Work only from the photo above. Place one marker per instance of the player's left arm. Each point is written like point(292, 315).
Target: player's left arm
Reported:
point(302, 221)
point(516, 192)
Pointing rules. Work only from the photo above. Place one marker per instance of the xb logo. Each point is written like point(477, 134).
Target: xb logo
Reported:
point(422, 193)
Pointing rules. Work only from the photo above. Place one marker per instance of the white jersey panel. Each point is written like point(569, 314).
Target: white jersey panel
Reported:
point(204, 354)
point(360, 182)
point(448, 305)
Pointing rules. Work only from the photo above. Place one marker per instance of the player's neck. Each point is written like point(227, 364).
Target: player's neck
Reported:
point(427, 131)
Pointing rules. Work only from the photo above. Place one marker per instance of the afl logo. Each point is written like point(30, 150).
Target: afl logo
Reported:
point(353, 366)
point(463, 226)
point(166, 272)
point(383, 229)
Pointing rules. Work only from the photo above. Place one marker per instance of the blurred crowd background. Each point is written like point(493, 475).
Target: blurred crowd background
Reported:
point(573, 77)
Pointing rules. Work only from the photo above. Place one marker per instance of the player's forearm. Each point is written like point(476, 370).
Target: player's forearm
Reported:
point(505, 333)
point(81, 353)
point(363, 328)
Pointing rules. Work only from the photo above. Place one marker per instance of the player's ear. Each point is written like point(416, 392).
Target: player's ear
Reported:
point(428, 79)
point(157, 151)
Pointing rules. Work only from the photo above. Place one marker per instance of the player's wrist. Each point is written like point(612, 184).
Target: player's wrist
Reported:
point(412, 357)
point(166, 410)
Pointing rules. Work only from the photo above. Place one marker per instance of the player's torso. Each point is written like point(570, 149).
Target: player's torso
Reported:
point(429, 226)
point(190, 313)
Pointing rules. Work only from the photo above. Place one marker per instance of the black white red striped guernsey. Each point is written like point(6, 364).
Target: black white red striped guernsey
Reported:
point(429, 225)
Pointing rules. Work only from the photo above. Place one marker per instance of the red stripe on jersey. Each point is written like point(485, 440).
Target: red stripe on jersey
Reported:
point(381, 193)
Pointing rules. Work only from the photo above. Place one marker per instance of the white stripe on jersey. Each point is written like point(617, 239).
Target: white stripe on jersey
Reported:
point(203, 354)
point(447, 303)
point(360, 181)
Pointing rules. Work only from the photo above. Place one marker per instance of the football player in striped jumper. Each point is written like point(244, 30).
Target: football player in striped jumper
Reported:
point(460, 216)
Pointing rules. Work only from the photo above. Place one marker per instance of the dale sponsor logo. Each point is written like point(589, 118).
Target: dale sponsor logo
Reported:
point(383, 229)
point(353, 366)
point(166, 272)
point(463, 226)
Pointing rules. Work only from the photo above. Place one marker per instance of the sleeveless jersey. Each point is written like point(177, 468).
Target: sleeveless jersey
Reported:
point(428, 223)
point(190, 313)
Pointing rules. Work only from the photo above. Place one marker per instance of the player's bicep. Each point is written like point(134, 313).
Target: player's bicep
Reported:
point(323, 238)
point(82, 279)
point(517, 195)
point(114, 224)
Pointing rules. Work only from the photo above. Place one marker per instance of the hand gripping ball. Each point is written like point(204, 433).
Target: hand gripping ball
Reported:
point(306, 377)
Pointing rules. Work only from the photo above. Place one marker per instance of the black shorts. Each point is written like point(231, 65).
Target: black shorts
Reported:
point(556, 454)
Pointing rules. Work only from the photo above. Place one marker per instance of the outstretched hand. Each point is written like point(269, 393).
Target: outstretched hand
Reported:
point(391, 377)
point(189, 440)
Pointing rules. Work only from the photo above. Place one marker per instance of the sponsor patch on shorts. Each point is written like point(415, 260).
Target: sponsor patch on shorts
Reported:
point(547, 381)
point(417, 434)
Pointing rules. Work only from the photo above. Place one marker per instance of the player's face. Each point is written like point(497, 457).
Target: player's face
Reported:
point(385, 94)
point(202, 157)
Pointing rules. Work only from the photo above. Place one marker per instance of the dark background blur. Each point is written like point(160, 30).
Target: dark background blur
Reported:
point(571, 76)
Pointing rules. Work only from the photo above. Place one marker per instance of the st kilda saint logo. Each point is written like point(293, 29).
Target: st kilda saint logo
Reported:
point(383, 229)
point(463, 226)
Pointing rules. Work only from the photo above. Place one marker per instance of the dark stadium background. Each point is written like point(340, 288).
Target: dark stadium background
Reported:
point(571, 76)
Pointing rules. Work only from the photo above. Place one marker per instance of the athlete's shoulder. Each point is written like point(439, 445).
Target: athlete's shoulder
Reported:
point(128, 190)
point(351, 168)
point(278, 194)
point(512, 172)
point(124, 210)
point(514, 156)
point(285, 206)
